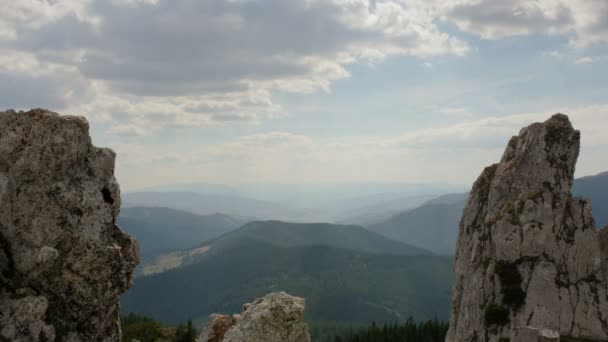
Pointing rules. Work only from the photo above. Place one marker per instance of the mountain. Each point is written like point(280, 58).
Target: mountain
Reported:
point(359, 203)
point(338, 284)
point(377, 208)
point(204, 204)
point(285, 235)
point(434, 225)
point(160, 229)
point(595, 188)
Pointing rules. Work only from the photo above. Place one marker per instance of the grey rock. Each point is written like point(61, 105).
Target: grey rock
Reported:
point(276, 317)
point(547, 335)
point(63, 260)
point(526, 334)
point(528, 253)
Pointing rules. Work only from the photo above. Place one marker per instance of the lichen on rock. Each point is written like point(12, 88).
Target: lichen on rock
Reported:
point(528, 253)
point(276, 317)
point(63, 260)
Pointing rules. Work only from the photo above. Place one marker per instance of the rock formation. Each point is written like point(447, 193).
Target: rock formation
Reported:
point(63, 261)
point(529, 257)
point(276, 317)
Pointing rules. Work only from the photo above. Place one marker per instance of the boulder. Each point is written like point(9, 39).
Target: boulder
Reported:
point(528, 253)
point(276, 317)
point(63, 260)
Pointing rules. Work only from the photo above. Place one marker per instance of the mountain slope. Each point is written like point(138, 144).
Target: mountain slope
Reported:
point(338, 284)
point(434, 225)
point(160, 229)
point(285, 235)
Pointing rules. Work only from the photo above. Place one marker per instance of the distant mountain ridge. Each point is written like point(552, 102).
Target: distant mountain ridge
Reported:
point(202, 204)
point(285, 235)
point(332, 202)
point(159, 229)
point(433, 226)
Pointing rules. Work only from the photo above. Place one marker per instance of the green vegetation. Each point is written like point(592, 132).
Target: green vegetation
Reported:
point(339, 284)
point(410, 331)
point(146, 329)
point(285, 234)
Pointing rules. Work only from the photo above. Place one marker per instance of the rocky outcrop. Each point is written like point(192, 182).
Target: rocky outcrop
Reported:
point(528, 253)
point(276, 317)
point(63, 260)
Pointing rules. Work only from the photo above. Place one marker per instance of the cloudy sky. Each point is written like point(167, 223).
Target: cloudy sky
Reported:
point(309, 91)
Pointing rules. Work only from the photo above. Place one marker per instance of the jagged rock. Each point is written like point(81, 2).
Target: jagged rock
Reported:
point(276, 317)
point(63, 261)
point(528, 253)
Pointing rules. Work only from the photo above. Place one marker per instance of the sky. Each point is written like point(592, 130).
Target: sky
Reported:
point(310, 91)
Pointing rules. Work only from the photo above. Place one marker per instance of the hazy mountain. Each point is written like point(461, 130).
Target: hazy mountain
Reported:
point(307, 195)
point(160, 229)
point(286, 235)
point(331, 202)
point(434, 225)
point(596, 188)
point(338, 284)
point(377, 208)
point(239, 207)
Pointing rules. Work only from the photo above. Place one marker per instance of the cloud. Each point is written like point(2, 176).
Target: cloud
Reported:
point(218, 60)
point(420, 156)
point(492, 132)
point(584, 60)
point(584, 21)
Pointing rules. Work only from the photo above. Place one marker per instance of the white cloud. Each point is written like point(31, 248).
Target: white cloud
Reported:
point(454, 153)
point(196, 62)
point(585, 21)
point(584, 60)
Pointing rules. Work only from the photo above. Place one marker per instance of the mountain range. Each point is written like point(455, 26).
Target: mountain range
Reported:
point(346, 274)
point(159, 230)
point(336, 203)
point(386, 272)
point(284, 235)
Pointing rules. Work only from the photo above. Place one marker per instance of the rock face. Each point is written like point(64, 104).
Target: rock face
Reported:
point(528, 253)
point(276, 317)
point(63, 261)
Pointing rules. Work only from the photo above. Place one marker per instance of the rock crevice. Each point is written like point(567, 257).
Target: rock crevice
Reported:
point(528, 253)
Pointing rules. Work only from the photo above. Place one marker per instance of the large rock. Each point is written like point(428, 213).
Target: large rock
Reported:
point(528, 253)
point(276, 317)
point(63, 260)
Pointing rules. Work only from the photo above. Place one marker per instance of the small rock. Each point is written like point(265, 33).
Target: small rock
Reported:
point(276, 317)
